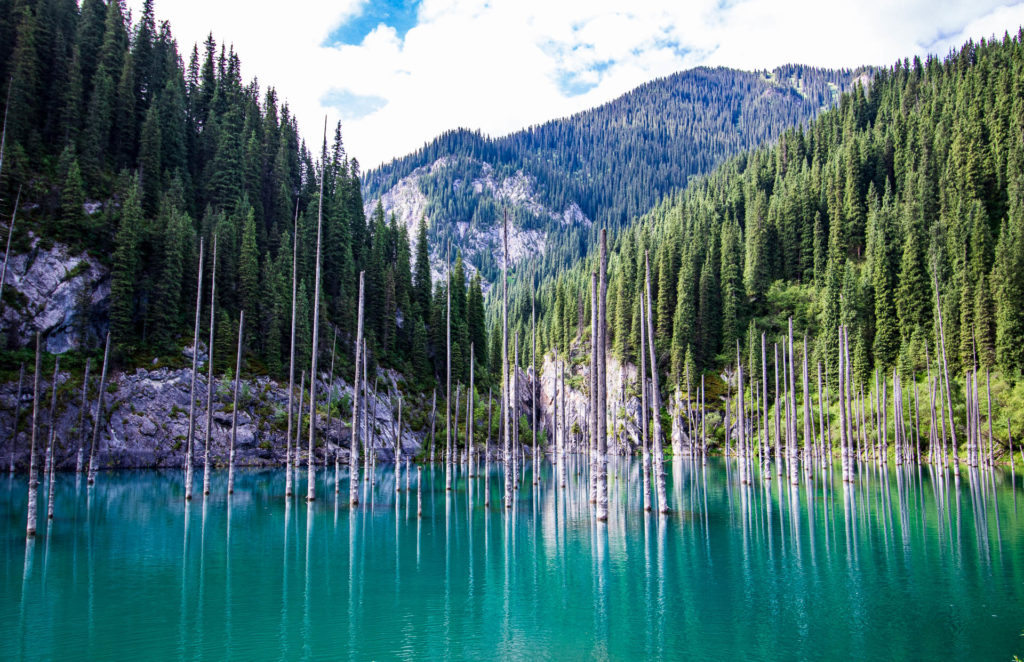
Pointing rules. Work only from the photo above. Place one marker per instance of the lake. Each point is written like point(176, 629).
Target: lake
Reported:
point(907, 563)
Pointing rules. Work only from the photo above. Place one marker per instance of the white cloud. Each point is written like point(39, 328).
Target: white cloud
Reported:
point(499, 65)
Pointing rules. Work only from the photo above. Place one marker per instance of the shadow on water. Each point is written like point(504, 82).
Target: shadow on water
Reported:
point(906, 562)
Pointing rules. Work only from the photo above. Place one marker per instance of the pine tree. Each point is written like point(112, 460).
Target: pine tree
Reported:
point(422, 286)
point(125, 269)
point(249, 274)
point(73, 220)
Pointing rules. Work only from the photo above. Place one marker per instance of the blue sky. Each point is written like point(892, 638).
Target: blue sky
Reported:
point(397, 73)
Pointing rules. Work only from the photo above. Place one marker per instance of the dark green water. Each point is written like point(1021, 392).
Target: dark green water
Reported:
point(904, 565)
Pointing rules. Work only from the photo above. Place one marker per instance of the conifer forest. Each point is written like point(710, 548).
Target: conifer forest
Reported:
point(727, 365)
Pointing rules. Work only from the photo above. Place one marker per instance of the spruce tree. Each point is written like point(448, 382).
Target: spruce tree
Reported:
point(124, 270)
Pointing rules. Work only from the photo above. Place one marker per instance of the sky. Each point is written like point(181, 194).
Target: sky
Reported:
point(397, 73)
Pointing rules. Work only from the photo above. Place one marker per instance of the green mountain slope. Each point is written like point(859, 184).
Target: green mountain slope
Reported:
point(606, 165)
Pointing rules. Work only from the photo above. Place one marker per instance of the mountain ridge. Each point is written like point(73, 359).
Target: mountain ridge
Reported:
point(613, 162)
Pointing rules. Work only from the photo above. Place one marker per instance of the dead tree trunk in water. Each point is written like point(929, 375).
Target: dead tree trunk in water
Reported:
point(234, 406)
point(53, 435)
point(433, 418)
point(99, 414)
point(602, 384)
point(310, 463)
point(330, 401)
point(595, 340)
point(645, 478)
point(448, 374)
point(291, 361)
point(471, 412)
point(659, 464)
point(945, 373)
point(506, 422)
point(353, 457)
point(533, 383)
point(33, 483)
point(192, 385)
point(209, 376)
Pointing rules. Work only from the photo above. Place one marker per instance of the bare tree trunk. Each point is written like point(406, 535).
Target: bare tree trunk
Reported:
point(33, 483)
point(945, 372)
point(50, 460)
point(10, 233)
point(704, 425)
point(595, 354)
point(844, 449)
point(470, 413)
point(291, 361)
point(533, 384)
point(507, 424)
point(645, 455)
point(80, 460)
point(99, 414)
point(448, 374)
point(659, 465)
point(398, 448)
point(487, 454)
point(988, 393)
point(794, 468)
point(808, 419)
point(330, 401)
point(192, 384)
point(234, 405)
point(778, 414)
point(602, 384)
point(353, 457)
point(766, 469)
point(433, 418)
point(209, 377)
point(455, 429)
point(298, 422)
point(741, 419)
point(515, 415)
point(310, 460)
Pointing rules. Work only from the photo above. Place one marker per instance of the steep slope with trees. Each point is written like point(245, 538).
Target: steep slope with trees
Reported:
point(608, 164)
point(915, 179)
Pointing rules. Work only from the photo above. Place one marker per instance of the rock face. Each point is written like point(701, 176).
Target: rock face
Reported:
point(56, 291)
point(146, 422)
point(408, 203)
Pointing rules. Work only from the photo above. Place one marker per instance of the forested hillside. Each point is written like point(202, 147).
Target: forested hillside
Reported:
point(609, 164)
point(916, 179)
point(119, 145)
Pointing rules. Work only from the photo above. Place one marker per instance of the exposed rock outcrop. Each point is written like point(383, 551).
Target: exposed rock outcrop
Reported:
point(56, 293)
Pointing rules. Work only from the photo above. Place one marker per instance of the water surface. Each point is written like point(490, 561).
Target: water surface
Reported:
point(905, 564)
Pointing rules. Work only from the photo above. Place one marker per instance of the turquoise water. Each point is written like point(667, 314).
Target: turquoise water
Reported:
point(906, 564)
